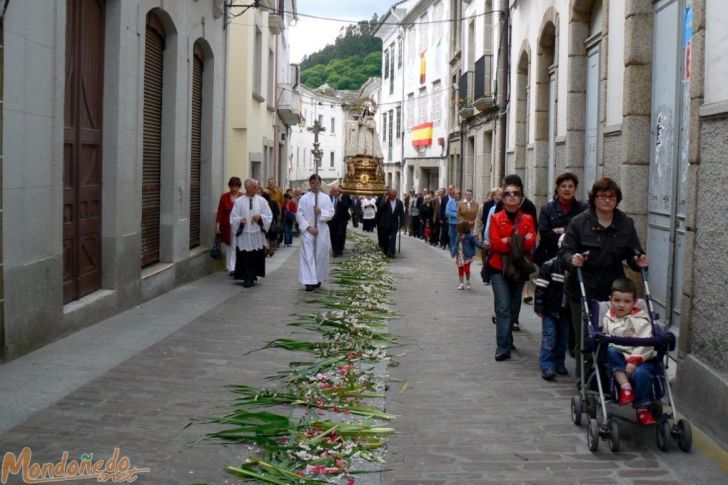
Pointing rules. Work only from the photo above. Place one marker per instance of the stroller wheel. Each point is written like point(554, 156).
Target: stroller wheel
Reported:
point(576, 410)
point(592, 435)
point(613, 438)
point(663, 435)
point(591, 405)
point(684, 435)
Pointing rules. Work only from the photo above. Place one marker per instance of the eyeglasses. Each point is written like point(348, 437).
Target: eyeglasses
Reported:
point(606, 197)
point(511, 194)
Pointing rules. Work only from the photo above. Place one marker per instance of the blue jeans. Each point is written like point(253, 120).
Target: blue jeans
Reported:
point(507, 296)
point(554, 337)
point(288, 232)
point(641, 379)
point(453, 234)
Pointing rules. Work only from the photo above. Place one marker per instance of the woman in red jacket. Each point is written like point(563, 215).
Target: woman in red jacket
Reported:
point(506, 291)
point(222, 221)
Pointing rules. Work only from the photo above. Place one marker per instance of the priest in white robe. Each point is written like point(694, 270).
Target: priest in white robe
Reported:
point(250, 218)
point(314, 268)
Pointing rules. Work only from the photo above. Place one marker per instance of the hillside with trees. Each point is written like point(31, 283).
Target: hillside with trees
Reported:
point(355, 56)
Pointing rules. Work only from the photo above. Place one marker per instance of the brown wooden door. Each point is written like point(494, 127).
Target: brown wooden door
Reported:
point(152, 150)
point(83, 114)
point(196, 140)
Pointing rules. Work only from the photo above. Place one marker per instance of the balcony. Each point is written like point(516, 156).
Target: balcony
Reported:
point(483, 88)
point(276, 24)
point(465, 96)
point(289, 105)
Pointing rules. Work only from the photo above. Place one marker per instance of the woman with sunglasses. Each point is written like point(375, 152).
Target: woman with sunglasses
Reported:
point(610, 238)
point(507, 291)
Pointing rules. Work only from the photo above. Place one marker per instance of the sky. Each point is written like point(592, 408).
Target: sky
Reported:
point(310, 35)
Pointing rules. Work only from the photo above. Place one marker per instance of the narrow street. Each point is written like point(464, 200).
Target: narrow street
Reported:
point(135, 381)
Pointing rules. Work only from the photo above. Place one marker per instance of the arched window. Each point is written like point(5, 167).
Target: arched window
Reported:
point(198, 65)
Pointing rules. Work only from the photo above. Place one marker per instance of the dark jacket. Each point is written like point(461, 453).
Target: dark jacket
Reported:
point(469, 245)
point(426, 213)
point(550, 299)
point(443, 205)
point(553, 216)
point(341, 210)
point(608, 248)
point(386, 219)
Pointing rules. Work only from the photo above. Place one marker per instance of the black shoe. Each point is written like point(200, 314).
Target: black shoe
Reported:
point(527, 300)
point(549, 375)
point(492, 319)
point(502, 357)
point(516, 326)
point(562, 371)
point(247, 284)
point(317, 285)
point(310, 287)
point(513, 347)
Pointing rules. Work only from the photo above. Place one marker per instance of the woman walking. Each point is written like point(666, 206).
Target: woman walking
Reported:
point(512, 235)
point(222, 221)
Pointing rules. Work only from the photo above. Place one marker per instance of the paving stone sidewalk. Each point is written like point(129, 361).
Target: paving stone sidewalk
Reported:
point(468, 419)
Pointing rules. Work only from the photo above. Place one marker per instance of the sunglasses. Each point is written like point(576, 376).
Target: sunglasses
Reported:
point(511, 194)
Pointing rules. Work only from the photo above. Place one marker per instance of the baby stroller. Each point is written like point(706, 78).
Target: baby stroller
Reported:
point(597, 383)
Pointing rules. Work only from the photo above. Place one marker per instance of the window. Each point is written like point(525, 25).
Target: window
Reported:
point(391, 125)
point(332, 159)
point(423, 27)
point(436, 103)
point(399, 122)
point(410, 110)
point(386, 63)
point(271, 78)
point(333, 126)
point(411, 46)
point(384, 126)
point(437, 22)
point(488, 27)
point(321, 120)
point(258, 64)
point(400, 52)
point(422, 106)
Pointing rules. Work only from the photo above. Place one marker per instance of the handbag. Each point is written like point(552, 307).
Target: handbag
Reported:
point(516, 265)
point(215, 251)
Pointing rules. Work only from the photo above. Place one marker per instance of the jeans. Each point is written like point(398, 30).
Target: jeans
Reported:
point(287, 232)
point(453, 235)
point(641, 379)
point(507, 296)
point(554, 337)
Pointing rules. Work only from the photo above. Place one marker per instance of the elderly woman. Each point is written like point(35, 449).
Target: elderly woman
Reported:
point(502, 231)
point(222, 221)
point(610, 238)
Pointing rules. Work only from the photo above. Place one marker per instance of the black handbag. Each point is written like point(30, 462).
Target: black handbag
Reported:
point(215, 251)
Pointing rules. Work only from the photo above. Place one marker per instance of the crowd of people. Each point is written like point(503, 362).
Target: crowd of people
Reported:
point(519, 247)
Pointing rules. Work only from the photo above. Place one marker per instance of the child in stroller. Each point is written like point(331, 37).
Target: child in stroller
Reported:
point(630, 365)
point(626, 343)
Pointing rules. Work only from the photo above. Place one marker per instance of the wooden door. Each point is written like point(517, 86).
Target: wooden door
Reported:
point(152, 150)
point(82, 138)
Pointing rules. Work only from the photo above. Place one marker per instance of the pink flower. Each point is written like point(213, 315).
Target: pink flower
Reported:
point(283, 440)
point(350, 481)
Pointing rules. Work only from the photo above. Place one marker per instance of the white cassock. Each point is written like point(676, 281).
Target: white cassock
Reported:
point(314, 270)
point(245, 208)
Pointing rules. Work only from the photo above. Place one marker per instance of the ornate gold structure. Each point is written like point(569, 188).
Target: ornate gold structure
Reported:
point(362, 152)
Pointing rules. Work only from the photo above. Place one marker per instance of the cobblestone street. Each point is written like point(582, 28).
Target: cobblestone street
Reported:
point(463, 418)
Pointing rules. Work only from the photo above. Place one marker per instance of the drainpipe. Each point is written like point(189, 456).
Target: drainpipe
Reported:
point(502, 86)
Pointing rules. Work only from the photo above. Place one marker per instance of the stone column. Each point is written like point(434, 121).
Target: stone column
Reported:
point(2, 261)
point(636, 106)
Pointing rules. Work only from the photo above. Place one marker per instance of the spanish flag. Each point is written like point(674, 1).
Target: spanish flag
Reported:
point(422, 135)
point(423, 68)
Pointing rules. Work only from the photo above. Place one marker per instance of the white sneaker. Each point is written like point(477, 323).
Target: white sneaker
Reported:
point(461, 287)
point(468, 286)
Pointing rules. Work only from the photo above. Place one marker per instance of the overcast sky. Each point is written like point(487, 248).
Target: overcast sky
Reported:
point(311, 35)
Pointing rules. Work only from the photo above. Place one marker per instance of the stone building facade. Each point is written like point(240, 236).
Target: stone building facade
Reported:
point(630, 90)
point(113, 157)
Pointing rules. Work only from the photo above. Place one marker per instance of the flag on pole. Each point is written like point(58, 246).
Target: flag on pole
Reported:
point(422, 134)
point(423, 68)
